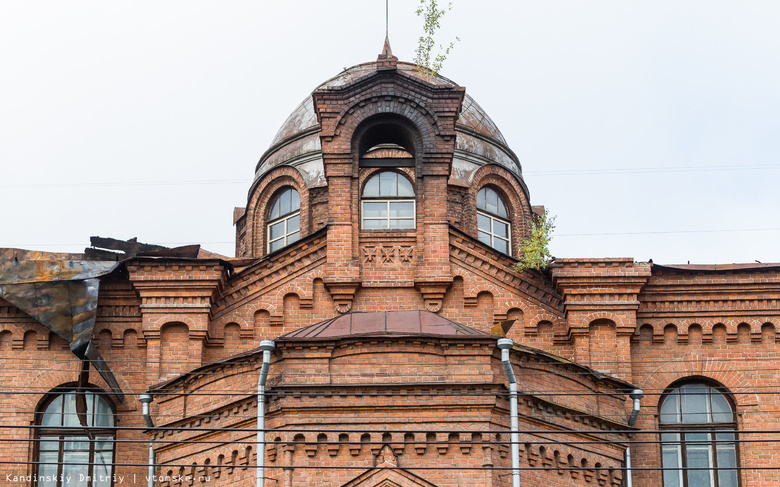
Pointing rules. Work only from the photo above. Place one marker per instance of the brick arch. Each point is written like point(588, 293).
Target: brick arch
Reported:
point(261, 193)
point(617, 320)
point(217, 326)
point(185, 320)
point(673, 371)
point(369, 105)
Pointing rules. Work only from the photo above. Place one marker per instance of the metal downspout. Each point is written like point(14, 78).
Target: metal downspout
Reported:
point(505, 344)
point(146, 399)
point(266, 346)
point(636, 395)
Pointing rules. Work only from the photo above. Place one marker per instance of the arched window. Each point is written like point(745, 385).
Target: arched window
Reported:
point(707, 441)
point(388, 202)
point(63, 448)
point(284, 220)
point(493, 226)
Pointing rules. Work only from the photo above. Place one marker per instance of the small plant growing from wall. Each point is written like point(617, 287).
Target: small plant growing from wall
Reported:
point(534, 249)
point(431, 13)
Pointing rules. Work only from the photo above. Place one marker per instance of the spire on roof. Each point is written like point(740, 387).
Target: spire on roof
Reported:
point(386, 60)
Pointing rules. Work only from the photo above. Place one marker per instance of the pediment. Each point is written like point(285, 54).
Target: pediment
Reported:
point(386, 477)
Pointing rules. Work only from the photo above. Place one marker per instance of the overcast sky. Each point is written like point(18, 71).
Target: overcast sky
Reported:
point(651, 129)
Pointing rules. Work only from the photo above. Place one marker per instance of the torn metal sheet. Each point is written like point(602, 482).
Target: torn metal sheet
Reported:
point(13, 271)
point(62, 296)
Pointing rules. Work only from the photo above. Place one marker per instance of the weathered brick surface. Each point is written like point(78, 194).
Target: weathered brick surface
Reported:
point(390, 400)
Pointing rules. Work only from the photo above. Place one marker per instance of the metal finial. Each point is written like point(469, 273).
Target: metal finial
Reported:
point(387, 18)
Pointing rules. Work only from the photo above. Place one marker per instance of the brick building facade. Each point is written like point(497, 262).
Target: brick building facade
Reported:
point(377, 250)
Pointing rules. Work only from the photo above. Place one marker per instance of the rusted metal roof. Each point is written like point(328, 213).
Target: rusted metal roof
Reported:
point(384, 324)
point(755, 266)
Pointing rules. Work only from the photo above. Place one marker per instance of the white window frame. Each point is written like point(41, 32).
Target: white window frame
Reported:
point(286, 234)
point(388, 218)
point(493, 218)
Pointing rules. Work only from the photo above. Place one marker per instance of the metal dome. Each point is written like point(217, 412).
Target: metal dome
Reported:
point(297, 143)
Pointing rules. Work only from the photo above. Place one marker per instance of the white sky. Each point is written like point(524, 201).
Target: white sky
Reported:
point(101, 101)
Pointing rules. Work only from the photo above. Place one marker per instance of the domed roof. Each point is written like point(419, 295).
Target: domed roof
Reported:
point(297, 143)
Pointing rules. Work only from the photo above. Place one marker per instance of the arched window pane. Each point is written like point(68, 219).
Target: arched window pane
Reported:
point(288, 201)
point(488, 200)
point(405, 188)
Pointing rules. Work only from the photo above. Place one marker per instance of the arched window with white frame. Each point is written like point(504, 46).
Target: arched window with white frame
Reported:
point(700, 449)
point(63, 449)
point(388, 202)
point(493, 226)
point(284, 220)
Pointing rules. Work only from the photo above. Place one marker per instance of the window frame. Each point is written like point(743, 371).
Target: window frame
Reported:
point(61, 435)
point(680, 429)
point(283, 219)
point(493, 217)
point(388, 200)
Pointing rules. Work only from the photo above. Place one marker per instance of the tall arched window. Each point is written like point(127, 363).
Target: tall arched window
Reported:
point(63, 448)
point(284, 220)
point(493, 227)
point(707, 442)
point(388, 202)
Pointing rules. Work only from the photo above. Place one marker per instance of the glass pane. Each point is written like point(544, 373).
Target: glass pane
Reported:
point(491, 201)
point(404, 187)
point(90, 400)
point(293, 224)
point(727, 464)
point(104, 443)
point(53, 414)
point(388, 184)
point(401, 209)
point(670, 409)
point(374, 224)
point(76, 443)
point(501, 245)
point(485, 238)
point(372, 187)
point(277, 230)
point(500, 228)
point(76, 465)
point(481, 199)
point(483, 223)
point(502, 208)
point(101, 470)
point(375, 210)
point(103, 414)
point(721, 409)
point(47, 472)
point(49, 443)
point(695, 403)
point(293, 237)
point(295, 200)
point(699, 456)
point(276, 245)
point(284, 202)
point(405, 224)
point(274, 210)
point(70, 418)
point(671, 460)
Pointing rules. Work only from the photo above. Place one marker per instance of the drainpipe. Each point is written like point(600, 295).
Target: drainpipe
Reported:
point(146, 399)
point(266, 346)
point(505, 344)
point(636, 395)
